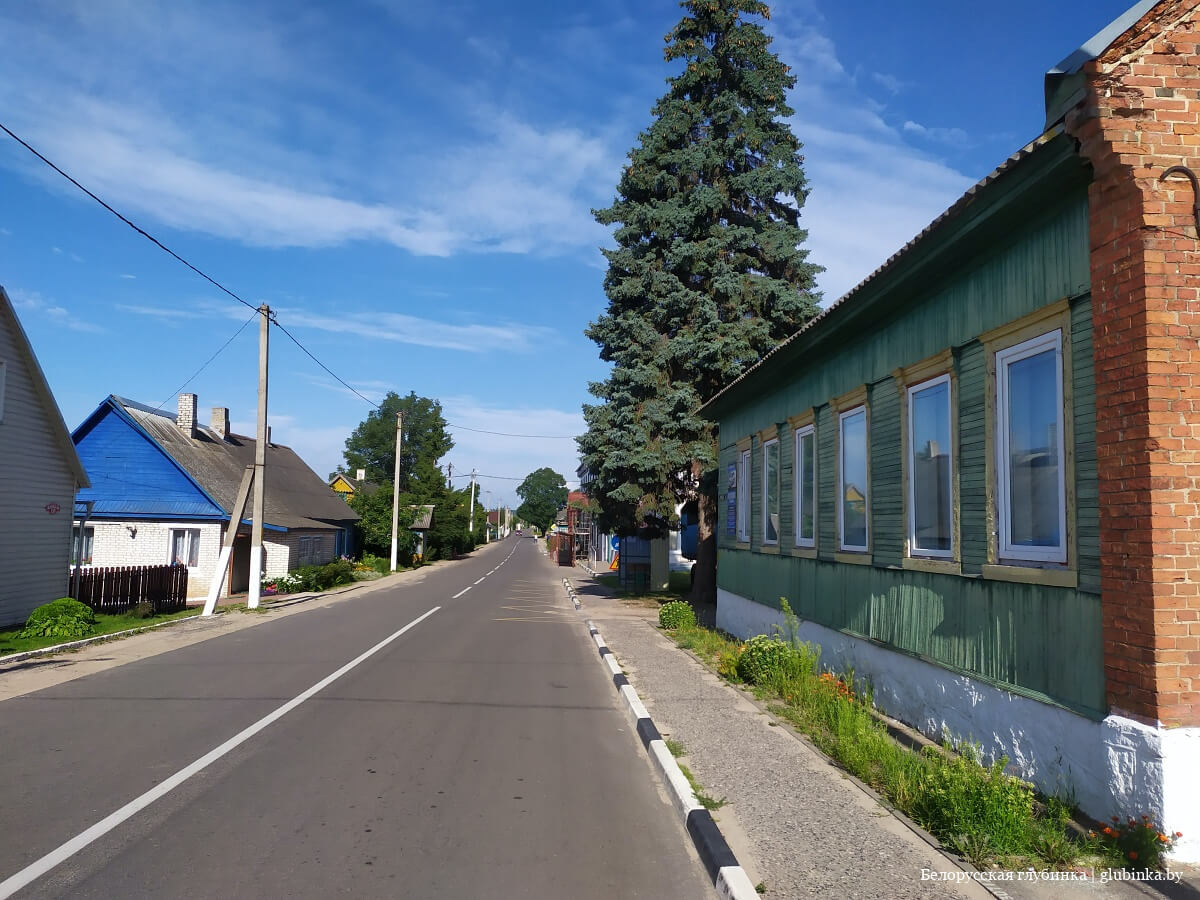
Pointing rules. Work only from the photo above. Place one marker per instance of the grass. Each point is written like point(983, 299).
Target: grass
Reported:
point(974, 809)
point(105, 624)
point(676, 747)
point(702, 797)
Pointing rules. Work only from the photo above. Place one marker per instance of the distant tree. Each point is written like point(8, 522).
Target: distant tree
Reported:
point(707, 276)
point(372, 445)
point(544, 493)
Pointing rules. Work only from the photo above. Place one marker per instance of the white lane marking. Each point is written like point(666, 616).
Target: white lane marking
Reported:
point(463, 591)
point(481, 579)
point(35, 870)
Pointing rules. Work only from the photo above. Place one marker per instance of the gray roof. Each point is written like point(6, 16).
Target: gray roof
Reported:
point(295, 496)
point(422, 518)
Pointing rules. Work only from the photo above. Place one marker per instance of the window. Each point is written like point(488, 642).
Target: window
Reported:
point(930, 470)
point(806, 487)
point(743, 515)
point(81, 555)
point(1031, 508)
point(852, 479)
point(185, 547)
point(309, 550)
point(770, 505)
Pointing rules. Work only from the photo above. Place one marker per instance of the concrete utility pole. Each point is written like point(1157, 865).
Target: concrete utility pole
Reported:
point(396, 485)
point(487, 528)
point(450, 476)
point(260, 462)
point(471, 522)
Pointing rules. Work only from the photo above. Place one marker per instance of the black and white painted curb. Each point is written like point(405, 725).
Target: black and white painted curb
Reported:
point(729, 878)
point(571, 592)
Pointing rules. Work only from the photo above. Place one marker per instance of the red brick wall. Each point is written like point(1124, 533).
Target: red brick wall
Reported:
point(1142, 115)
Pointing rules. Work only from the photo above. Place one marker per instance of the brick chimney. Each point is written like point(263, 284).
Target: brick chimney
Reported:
point(185, 418)
point(220, 420)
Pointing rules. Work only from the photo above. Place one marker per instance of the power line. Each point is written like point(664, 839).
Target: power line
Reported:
point(206, 363)
point(273, 319)
point(136, 228)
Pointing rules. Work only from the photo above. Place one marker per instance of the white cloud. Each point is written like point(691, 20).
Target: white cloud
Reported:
point(126, 275)
point(405, 329)
point(33, 303)
point(953, 136)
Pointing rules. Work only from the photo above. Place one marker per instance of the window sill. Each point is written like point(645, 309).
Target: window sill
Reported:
point(741, 545)
point(923, 564)
point(1032, 575)
point(854, 557)
point(773, 549)
point(805, 552)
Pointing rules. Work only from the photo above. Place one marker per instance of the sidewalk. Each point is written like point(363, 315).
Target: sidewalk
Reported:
point(796, 822)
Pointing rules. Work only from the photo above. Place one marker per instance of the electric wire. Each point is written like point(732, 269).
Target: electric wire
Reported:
point(195, 374)
point(271, 316)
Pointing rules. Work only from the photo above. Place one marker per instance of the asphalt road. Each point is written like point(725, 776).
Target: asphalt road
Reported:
point(479, 754)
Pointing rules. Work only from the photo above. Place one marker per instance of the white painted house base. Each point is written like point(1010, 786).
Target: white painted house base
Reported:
point(1116, 766)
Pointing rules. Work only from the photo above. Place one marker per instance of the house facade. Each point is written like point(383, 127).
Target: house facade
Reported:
point(39, 478)
point(974, 477)
point(163, 487)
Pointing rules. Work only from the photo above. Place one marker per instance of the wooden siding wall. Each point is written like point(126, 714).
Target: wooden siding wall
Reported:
point(34, 545)
point(1039, 640)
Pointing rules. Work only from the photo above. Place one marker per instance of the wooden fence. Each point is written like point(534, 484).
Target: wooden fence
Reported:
point(117, 589)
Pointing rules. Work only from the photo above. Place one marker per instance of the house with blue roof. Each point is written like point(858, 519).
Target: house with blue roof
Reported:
point(162, 487)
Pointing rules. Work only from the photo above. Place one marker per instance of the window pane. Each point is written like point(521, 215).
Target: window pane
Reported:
point(1033, 463)
point(805, 460)
point(771, 493)
point(932, 498)
point(854, 480)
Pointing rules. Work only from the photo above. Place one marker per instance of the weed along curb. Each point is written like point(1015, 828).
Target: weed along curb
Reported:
point(727, 875)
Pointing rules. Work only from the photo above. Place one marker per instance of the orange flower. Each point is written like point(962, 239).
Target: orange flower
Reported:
point(1179, 834)
point(1163, 838)
point(1133, 854)
point(1108, 830)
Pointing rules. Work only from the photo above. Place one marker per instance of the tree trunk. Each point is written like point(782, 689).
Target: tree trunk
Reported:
point(704, 583)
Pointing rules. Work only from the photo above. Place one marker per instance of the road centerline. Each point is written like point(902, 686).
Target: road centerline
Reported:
point(55, 857)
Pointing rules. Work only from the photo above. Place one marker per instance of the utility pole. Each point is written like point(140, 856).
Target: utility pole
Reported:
point(396, 485)
point(260, 462)
point(471, 522)
point(487, 528)
point(450, 476)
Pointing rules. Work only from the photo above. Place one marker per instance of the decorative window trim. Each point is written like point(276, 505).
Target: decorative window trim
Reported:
point(929, 377)
point(849, 400)
point(769, 442)
point(842, 415)
point(801, 543)
point(1054, 317)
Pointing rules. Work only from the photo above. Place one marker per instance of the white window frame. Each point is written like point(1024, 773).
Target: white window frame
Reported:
point(841, 496)
point(766, 445)
point(1004, 358)
point(798, 477)
point(743, 498)
point(88, 542)
point(913, 549)
point(193, 545)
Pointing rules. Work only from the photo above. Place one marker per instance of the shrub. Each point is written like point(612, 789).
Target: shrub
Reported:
point(676, 614)
point(63, 618)
point(765, 658)
point(143, 609)
point(1139, 843)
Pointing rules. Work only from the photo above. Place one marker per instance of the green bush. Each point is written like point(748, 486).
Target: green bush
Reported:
point(766, 658)
point(63, 618)
point(676, 614)
point(315, 578)
point(143, 609)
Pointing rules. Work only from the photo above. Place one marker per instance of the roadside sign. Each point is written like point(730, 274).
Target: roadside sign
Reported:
point(616, 563)
point(614, 542)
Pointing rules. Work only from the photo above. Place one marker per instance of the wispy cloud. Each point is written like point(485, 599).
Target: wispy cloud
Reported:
point(471, 337)
point(953, 136)
point(126, 275)
point(33, 303)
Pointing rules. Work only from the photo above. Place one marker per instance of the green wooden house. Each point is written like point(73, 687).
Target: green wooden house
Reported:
point(952, 471)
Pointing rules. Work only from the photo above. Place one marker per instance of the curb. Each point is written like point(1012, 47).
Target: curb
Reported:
point(571, 592)
point(83, 642)
point(728, 877)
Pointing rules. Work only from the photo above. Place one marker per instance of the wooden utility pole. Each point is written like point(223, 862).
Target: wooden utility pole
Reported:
point(260, 462)
point(396, 486)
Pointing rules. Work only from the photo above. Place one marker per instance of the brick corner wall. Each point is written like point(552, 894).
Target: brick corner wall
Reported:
point(1141, 115)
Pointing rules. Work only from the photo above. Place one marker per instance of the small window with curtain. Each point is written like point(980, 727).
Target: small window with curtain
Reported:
point(185, 547)
point(852, 480)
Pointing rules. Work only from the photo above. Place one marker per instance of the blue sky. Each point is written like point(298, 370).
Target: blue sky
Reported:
point(408, 184)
